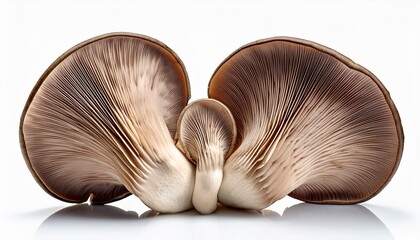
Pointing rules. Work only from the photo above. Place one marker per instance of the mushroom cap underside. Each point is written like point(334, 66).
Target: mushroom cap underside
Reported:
point(311, 123)
point(206, 125)
point(76, 121)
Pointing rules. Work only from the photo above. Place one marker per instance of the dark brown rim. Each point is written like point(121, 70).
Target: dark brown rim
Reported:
point(352, 65)
point(50, 69)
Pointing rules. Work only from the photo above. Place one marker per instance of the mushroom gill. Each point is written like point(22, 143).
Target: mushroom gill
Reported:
point(206, 134)
point(311, 124)
point(101, 120)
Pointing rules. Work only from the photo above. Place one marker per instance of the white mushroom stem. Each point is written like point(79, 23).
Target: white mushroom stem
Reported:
point(154, 170)
point(170, 186)
point(207, 181)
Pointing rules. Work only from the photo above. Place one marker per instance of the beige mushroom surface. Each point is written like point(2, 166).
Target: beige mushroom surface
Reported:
point(206, 134)
point(311, 123)
point(101, 120)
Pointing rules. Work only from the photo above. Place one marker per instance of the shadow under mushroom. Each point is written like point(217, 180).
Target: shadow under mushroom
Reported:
point(301, 221)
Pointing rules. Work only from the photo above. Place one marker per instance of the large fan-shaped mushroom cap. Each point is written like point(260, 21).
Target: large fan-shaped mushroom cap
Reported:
point(311, 123)
point(101, 120)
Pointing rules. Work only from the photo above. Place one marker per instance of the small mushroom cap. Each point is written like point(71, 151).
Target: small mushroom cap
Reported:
point(311, 123)
point(206, 134)
point(101, 117)
point(206, 124)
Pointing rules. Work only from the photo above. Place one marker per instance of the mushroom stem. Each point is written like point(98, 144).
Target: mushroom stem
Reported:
point(207, 183)
point(172, 185)
point(158, 173)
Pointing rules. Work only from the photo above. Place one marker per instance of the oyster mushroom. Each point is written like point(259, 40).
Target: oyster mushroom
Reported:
point(101, 120)
point(311, 123)
point(206, 134)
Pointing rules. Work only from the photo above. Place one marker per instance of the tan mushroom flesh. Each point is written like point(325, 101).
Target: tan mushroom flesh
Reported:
point(311, 123)
point(206, 134)
point(101, 120)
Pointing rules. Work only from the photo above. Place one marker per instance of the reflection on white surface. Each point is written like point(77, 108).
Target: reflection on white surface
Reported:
point(301, 221)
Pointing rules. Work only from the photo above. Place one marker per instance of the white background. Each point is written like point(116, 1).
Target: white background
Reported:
point(383, 36)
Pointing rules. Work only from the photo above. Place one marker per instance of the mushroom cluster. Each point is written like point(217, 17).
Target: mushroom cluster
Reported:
point(285, 116)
